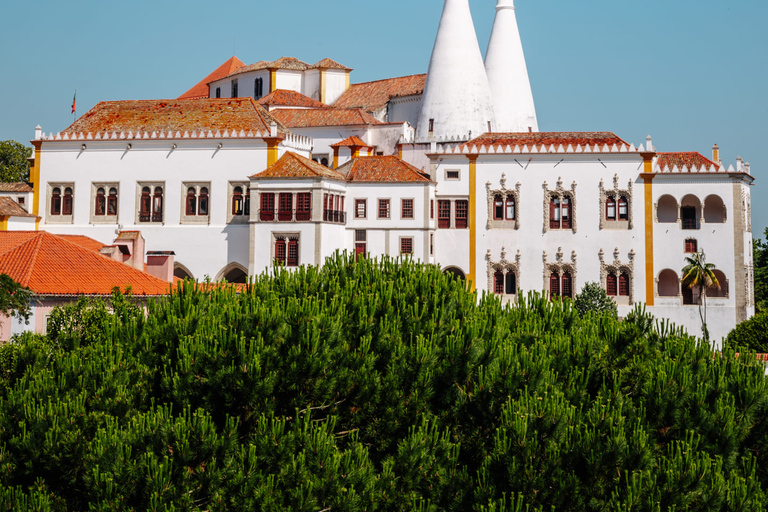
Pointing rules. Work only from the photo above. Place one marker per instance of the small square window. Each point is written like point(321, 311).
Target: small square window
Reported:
point(406, 245)
point(452, 174)
point(691, 245)
point(360, 235)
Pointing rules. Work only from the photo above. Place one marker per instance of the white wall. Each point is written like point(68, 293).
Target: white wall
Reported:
point(404, 109)
point(335, 85)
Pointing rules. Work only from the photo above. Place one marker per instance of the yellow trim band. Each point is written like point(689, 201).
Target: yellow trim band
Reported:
point(35, 179)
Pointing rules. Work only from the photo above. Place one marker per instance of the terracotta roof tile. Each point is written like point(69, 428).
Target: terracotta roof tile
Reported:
point(290, 63)
point(284, 98)
point(545, 138)
point(687, 159)
point(83, 241)
point(175, 115)
point(381, 169)
point(372, 96)
point(201, 89)
point(350, 142)
point(52, 265)
point(15, 187)
point(329, 64)
point(291, 165)
point(10, 208)
point(306, 118)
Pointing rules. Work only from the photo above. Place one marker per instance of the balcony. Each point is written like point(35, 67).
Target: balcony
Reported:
point(334, 216)
point(690, 223)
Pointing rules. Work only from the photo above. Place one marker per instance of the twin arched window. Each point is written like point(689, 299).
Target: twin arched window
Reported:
point(504, 284)
point(617, 286)
point(504, 207)
point(197, 203)
point(561, 286)
point(106, 204)
point(560, 213)
point(616, 211)
point(61, 204)
point(151, 205)
point(241, 204)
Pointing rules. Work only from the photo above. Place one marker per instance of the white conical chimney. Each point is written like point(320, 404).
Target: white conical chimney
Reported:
point(508, 74)
point(457, 98)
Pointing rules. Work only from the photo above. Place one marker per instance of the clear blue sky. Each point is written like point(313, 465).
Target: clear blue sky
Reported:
point(689, 72)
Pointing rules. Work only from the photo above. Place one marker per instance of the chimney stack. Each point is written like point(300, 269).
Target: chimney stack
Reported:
point(131, 244)
point(716, 154)
point(160, 264)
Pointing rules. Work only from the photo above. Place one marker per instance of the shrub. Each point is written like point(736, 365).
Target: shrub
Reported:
point(751, 334)
point(593, 298)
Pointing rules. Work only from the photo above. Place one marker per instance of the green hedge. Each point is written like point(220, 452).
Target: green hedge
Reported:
point(374, 386)
point(751, 334)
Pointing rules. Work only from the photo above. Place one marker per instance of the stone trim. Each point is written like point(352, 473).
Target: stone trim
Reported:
point(195, 219)
point(559, 267)
point(561, 193)
point(618, 268)
point(237, 219)
point(504, 192)
point(104, 219)
point(506, 267)
point(616, 193)
point(59, 219)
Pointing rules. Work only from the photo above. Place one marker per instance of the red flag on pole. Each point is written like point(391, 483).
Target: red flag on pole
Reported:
point(74, 103)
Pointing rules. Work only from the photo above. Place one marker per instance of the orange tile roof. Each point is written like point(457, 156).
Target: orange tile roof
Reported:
point(330, 64)
point(10, 208)
point(308, 118)
point(381, 169)
point(352, 141)
point(175, 116)
point(546, 138)
point(285, 98)
point(83, 241)
point(200, 90)
point(15, 187)
point(52, 265)
point(290, 63)
point(372, 96)
point(687, 159)
point(291, 165)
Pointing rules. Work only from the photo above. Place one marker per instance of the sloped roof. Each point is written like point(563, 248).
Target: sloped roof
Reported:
point(291, 165)
point(307, 118)
point(546, 138)
point(10, 208)
point(52, 265)
point(688, 159)
point(200, 90)
point(352, 141)
point(372, 96)
point(175, 115)
point(289, 63)
point(329, 64)
point(84, 242)
point(285, 98)
point(381, 169)
point(15, 187)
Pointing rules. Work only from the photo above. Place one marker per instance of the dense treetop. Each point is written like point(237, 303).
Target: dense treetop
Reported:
point(14, 165)
point(377, 385)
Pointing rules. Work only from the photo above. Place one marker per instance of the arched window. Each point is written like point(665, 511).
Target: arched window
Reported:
point(721, 292)
point(202, 203)
point(56, 201)
point(324, 162)
point(566, 214)
point(510, 207)
point(669, 283)
point(157, 205)
point(554, 213)
point(498, 283)
point(714, 210)
point(666, 210)
point(610, 209)
point(498, 207)
point(554, 286)
point(100, 207)
point(567, 288)
point(66, 203)
point(247, 200)
point(145, 205)
point(112, 201)
point(237, 201)
point(623, 208)
point(511, 284)
point(611, 284)
point(624, 284)
point(191, 203)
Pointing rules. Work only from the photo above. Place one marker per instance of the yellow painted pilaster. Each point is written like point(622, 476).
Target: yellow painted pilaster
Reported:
point(472, 222)
point(650, 273)
point(272, 151)
point(335, 158)
point(322, 86)
point(400, 151)
point(346, 87)
point(3, 223)
point(34, 177)
point(272, 80)
point(355, 152)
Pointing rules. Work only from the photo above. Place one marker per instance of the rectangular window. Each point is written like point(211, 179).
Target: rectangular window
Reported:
point(462, 210)
point(431, 208)
point(285, 213)
point(452, 174)
point(431, 125)
point(623, 209)
point(624, 285)
point(258, 88)
point(280, 251)
point(691, 245)
point(303, 206)
point(510, 207)
point(498, 283)
point(383, 208)
point(267, 211)
point(498, 207)
point(234, 88)
point(361, 235)
point(431, 244)
point(611, 285)
point(406, 245)
point(360, 250)
point(218, 92)
point(407, 209)
point(443, 214)
point(511, 283)
point(293, 253)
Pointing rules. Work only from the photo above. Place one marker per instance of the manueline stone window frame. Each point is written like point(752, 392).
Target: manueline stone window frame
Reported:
point(559, 192)
point(559, 267)
point(507, 268)
point(505, 193)
point(617, 267)
point(616, 194)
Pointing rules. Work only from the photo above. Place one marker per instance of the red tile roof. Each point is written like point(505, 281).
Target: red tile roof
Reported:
point(175, 116)
point(284, 98)
point(687, 159)
point(330, 64)
point(349, 142)
point(282, 63)
point(291, 165)
point(307, 118)
point(10, 208)
point(15, 187)
point(83, 241)
point(201, 89)
point(372, 96)
point(546, 138)
point(52, 265)
point(381, 169)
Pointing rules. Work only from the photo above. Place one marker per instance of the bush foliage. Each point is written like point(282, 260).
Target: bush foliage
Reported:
point(751, 334)
point(375, 386)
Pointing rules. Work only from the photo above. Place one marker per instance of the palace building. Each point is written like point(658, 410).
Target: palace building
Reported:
point(285, 162)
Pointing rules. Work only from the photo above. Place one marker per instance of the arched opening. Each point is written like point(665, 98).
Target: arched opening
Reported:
point(722, 292)
point(690, 212)
point(182, 272)
point(669, 283)
point(714, 210)
point(100, 206)
point(233, 273)
point(666, 210)
point(112, 201)
point(455, 272)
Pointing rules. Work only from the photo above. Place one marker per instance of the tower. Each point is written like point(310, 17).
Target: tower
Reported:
point(457, 97)
point(508, 74)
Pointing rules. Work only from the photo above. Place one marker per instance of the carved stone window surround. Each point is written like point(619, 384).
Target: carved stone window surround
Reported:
point(616, 193)
point(504, 192)
point(618, 268)
point(559, 267)
point(506, 267)
point(559, 193)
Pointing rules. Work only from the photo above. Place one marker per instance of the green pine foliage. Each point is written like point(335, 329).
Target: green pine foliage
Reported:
point(380, 385)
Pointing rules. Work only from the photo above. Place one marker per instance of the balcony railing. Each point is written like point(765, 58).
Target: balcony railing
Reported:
point(690, 223)
point(270, 215)
point(337, 216)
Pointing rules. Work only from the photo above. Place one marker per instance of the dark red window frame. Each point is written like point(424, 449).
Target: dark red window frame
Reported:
point(443, 213)
point(462, 213)
point(267, 211)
